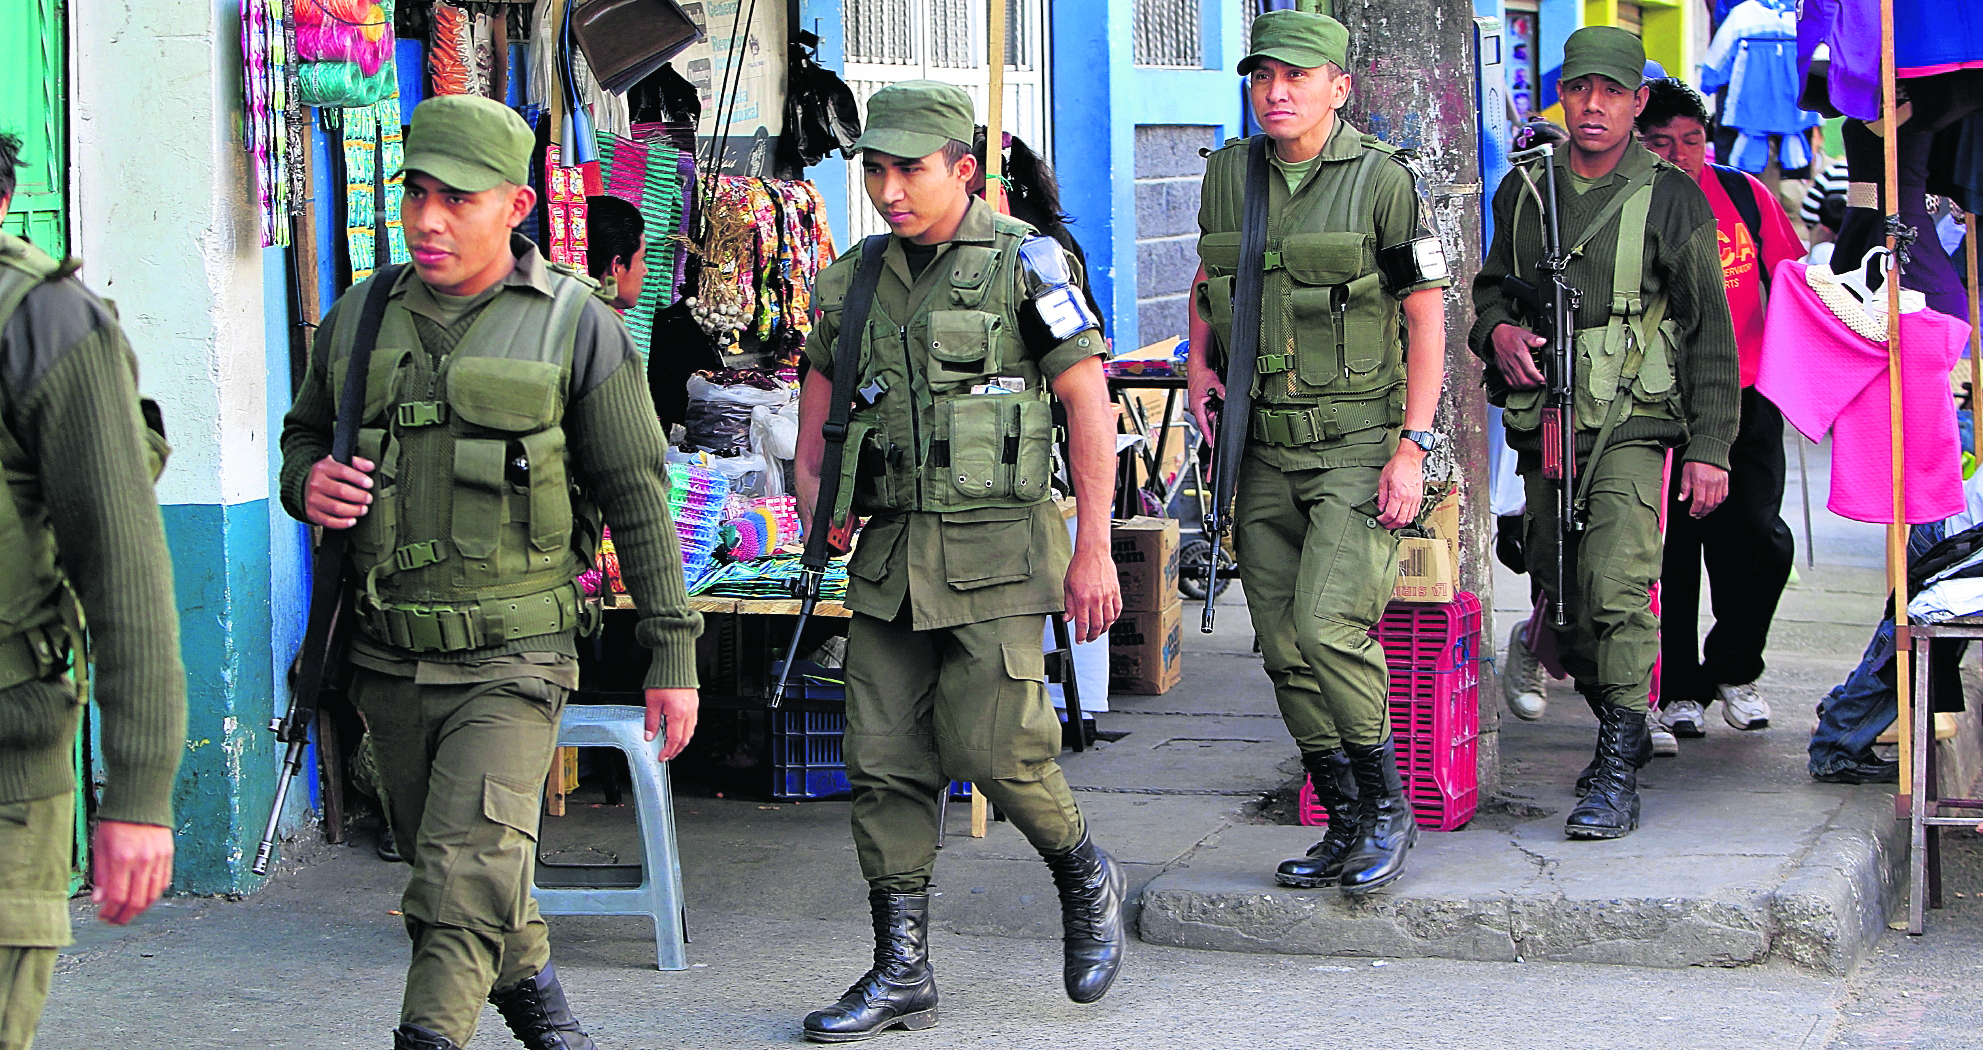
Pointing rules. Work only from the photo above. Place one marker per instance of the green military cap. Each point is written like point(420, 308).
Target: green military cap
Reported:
point(1298, 38)
point(915, 118)
point(1607, 51)
point(469, 143)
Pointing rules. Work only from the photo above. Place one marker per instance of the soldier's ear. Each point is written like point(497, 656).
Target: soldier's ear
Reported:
point(523, 200)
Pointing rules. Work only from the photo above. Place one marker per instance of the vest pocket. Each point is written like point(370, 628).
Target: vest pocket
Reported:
point(963, 344)
point(504, 394)
point(1035, 467)
point(1367, 325)
point(479, 493)
point(976, 437)
point(550, 498)
point(983, 548)
point(1219, 252)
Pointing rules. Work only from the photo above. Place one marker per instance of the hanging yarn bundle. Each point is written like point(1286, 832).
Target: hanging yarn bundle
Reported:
point(345, 51)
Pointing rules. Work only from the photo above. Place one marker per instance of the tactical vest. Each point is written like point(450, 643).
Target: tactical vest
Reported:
point(1332, 345)
point(953, 413)
point(1624, 367)
point(41, 623)
point(477, 530)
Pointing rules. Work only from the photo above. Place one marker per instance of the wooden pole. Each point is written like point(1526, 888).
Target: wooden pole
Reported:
point(1975, 337)
point(1897, 531)
point(994, 196)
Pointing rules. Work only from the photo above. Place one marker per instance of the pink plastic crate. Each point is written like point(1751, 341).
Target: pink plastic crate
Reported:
point(1434, 657)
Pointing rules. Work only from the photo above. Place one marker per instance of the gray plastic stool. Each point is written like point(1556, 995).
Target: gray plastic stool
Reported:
point(653, 887)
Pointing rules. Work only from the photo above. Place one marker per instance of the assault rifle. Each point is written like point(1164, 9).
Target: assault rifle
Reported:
point(1242, 360)
point(1550, 307)
point(322, 664)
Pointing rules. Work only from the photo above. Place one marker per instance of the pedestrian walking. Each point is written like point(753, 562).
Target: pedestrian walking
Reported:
point(506, 411)
point(1655, 368)
point(1327, 473)
point(974, 326)
point(80, 539)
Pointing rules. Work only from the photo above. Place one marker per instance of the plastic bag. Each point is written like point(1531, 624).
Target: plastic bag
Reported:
point(346, 48)
point(720, 417)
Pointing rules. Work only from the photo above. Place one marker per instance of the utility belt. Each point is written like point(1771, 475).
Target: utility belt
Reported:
point(452, 627)
point(34, 654)
point(1314, 424)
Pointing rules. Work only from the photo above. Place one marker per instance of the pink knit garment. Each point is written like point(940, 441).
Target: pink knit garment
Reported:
point(1824, 376)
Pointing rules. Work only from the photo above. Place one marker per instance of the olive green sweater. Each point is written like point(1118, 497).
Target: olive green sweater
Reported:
point(1682, 260)
point(68, 395)
point(618, 456)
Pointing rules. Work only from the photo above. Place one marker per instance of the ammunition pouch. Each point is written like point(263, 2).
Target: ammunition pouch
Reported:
point(455, 627)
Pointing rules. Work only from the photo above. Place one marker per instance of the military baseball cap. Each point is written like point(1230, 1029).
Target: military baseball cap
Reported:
point(469, 143)
point(1607, 51)
point(1300, 39)
point(915, 118)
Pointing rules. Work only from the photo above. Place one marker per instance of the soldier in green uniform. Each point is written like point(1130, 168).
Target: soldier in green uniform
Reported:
point(1655, 369)
point(80, 534)
point(976, 326)
point(1325, 475)
point(505, 410)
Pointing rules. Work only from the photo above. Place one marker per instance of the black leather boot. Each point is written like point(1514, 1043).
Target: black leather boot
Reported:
point(1388, 830)
point(1335, 789)
point(537, 1013)
point(1610, 807)
point(1092, 885)
point(899, 990)
point(413, 1037)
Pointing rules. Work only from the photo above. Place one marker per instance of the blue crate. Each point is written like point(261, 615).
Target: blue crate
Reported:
point(810, 681)
point(808, 760)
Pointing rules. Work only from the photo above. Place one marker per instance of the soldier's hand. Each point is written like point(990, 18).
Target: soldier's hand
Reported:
point(1094, 595)
point(337, 495)
point(1401, 487)
point(1702, 488)
point(1203, 386)
point(1514, 355)
point(677, 708)
point(130, 865)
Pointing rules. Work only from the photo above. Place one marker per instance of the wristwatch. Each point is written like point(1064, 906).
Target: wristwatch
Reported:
point(1425, 439)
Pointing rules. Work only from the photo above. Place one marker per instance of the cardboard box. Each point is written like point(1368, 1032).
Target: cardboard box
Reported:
point(1146, 651)
point(1145, 552)
point(1428, 569)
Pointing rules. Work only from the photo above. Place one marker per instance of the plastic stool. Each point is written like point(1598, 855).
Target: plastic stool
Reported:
point(652, 887)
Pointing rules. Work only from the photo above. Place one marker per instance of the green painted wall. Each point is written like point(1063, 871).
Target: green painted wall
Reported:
point(34, 105)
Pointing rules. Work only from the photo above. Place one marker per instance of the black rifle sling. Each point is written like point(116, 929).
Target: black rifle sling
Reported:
point(1243, 349)
point(351, 398)
point(847, 342)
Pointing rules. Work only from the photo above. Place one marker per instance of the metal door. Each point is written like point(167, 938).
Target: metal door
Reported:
point(889, 41)
point(33, 105)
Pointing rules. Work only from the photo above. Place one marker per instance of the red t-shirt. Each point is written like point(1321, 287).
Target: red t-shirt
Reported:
point(1741, 275)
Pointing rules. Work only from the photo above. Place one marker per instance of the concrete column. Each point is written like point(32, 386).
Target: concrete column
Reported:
point(1414, 67)
point(166, 222)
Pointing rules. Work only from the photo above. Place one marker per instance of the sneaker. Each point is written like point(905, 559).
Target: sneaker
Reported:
point(1663, 743)
point(1741, 707)
point(1522, 683)
point(1871, 770)
point(1683, 718)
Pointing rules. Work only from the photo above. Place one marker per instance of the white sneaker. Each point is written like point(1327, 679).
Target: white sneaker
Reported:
point(1741, 707)
point(1683, 718)
point(1522, 682)
point(1664, 745)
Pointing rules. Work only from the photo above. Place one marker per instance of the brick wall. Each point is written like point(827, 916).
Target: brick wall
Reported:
point(1168, 173)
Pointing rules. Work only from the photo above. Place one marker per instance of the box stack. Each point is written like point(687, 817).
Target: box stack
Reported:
point(1146, 645)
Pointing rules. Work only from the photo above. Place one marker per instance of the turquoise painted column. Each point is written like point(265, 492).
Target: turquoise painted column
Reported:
point(166, 221)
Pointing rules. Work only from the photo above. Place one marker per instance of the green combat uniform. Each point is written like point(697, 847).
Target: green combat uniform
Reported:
point(964, 554)
point(79, 532)
point(1656, 358)
point(503, 426)
point(1328, 400)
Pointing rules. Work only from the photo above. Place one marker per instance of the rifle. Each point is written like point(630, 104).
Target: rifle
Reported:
point(821, 534)
point(1242, 358)
point(321, 664)
point(1551, 309)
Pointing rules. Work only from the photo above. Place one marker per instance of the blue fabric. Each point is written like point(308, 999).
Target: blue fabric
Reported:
point(1754, 54)
point(1932, 33)
point(1856, 712)
point(1752, 152)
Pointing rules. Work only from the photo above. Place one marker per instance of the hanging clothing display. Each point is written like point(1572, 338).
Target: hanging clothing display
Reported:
point(1930, 38)
point(461, 57)
point(267, 64)
point(649, 173)
point(373, 153)
point(1822, 367)
point(1754, 55)
point(1928, 269)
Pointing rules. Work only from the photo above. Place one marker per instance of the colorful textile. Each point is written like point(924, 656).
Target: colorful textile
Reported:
point(1754, 55)
point(267, 64)
point(1929, 37)
point(656, 176)
point(373, 152)
point(1743, 262)
point(345, 48)
point(1828, 377)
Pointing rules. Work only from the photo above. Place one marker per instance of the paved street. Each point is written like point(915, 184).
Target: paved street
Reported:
point(777, 916)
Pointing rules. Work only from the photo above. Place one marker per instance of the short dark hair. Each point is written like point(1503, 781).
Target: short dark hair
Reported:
point(10, 158)
point(613, 229)
point(1831, 212)
point(1667, 98)
point(954, 151)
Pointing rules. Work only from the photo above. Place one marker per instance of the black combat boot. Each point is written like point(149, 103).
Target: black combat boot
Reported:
point(899, 990)
point(1335, 789)
point(1092, 885)
point(1387, 830)
point(1610, 807)
point(413, 1037)
point(537, 1013)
